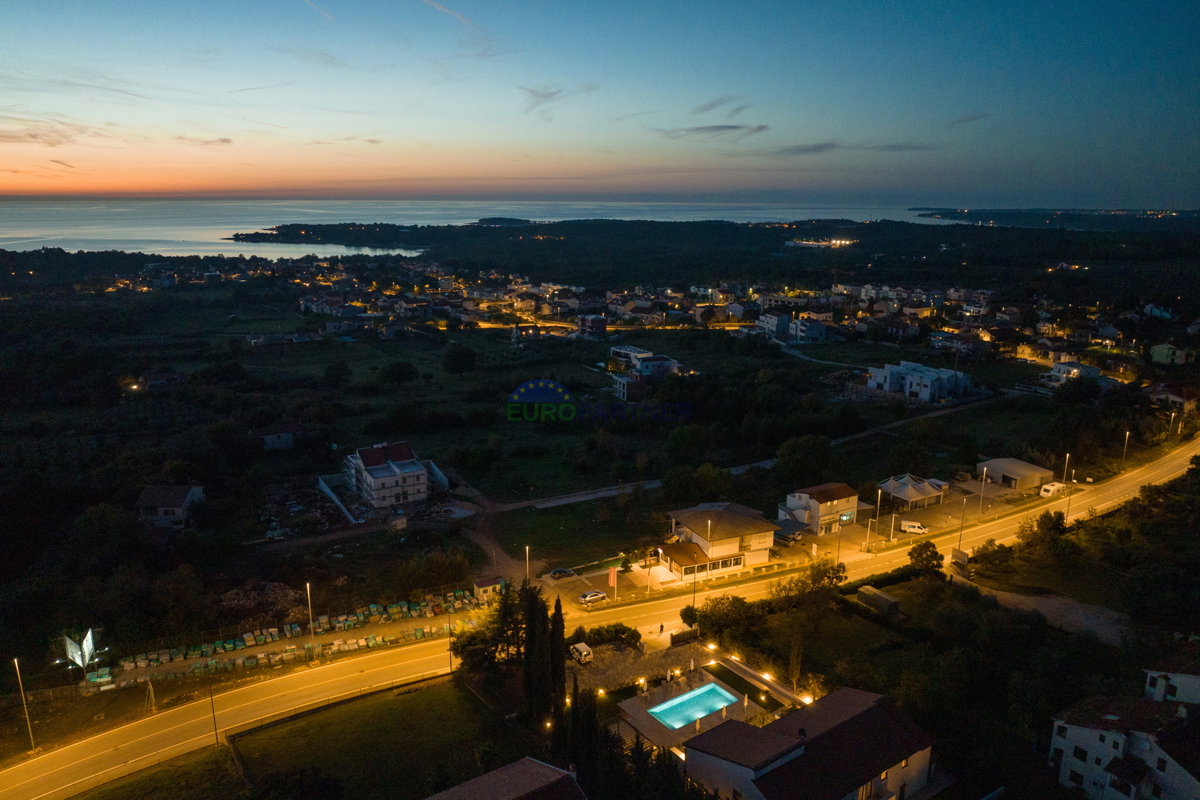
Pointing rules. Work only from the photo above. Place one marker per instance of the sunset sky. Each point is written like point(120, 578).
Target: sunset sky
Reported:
point(872, 103)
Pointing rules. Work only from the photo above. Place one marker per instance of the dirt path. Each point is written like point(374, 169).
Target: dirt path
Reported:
point(1067, 614)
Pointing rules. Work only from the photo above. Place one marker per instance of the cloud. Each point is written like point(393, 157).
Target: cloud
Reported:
point(318, 9)
point(634, 114)
point(260, 88)
point(733, 112)
point(897, 148)
point(65, 164)
point(259, 122)
point(704, 108)
point(805, 149)
point(44, 132)
point(543, 99)
point(314, 55)
point(967, 119)
point(454, 14)
point(205, 142)
point(710, 131)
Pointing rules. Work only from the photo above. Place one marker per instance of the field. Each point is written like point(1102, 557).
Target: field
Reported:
point(390, 746)
point(1078, 579)
point(203, 775)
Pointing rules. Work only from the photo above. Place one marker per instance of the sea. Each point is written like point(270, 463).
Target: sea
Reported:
point(203, 227)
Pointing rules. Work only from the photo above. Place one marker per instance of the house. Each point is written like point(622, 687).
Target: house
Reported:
point(807, 330)
point(774, 323)
point(823, 508)
point(623, 355)
point(918, 382)
point(1128, 747)
point(715, 538)
point(1176, 398)
point(1176, 677)
point(1158, 312)
point(1068, 370)
point(913, 492)
point(719, 312)
point(849, 744)
point(1014, 473)
point(487, 589)
point(527, 779)
point(387, 474)
point(1170, 354)
point(742, 309)
point(168, 506)
point(592, 326)
point(645, 368)
point(281, 436)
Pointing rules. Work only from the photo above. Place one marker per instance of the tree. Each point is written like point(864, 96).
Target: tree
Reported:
point(336, 374)
point(558, 656)
point(399, 372)
point(925, 557)
point(804, 460)
point(994, 556)
point(458, 359)
point(689, 616)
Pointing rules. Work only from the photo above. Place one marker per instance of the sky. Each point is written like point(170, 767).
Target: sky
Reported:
point(856, 102)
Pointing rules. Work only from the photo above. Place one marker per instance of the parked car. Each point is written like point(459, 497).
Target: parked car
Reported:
point(908, 526)
point(785, 539)
point(562, 572)
point(581, 652)
point(587, 598)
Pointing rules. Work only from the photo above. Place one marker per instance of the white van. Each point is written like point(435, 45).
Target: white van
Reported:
point(1051, 489)
point(581, 653)
point(908, 526)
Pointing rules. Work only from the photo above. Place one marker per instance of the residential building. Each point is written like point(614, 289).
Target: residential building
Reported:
point(1158, 312)
point(823, 509)
point(281, 436)
point(742, 308)
point(1176, 398)
point(807, 330)
point(1014, 473)
point(1114, 748)
point(527, 779)
point(715, 538)
point(386, 475)
point(623, 354)
point(643, 369)
point(1068, 370)
point(919, 382)
point(168, 506)
point(1170, 354)
point(847, 745)
point(774, 323)
point(1176, 677)
point(592, 326)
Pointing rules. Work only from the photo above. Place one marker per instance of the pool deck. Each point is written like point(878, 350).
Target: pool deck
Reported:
point(636, 710)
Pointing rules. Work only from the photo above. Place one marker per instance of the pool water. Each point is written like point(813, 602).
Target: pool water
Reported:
point(688, 708)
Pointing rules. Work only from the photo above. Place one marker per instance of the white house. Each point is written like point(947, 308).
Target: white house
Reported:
point(1176, 677)
point(824, 509)
point(1068, 370)
point(774, 323)
point(807, 330)
point(168, 506)
point(386, 475)
point(918, 382)
point(715, 538)
point(849, 745)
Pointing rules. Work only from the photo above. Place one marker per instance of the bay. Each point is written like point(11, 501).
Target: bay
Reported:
point(201, 227)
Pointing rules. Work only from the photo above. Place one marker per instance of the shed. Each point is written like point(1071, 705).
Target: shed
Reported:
point(488, 589)
point(1014, 473)
point(872, 598)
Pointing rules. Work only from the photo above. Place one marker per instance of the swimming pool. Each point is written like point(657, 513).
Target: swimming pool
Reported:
point(688, 708)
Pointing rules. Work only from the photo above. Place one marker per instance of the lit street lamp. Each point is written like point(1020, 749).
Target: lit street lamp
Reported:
point(963, 524)
point(1066, 464)
point(983, 490)
point(526, 562)
point(312, 639)
point(1126, 450)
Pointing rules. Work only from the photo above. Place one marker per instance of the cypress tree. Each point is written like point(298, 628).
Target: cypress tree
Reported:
point(558, 659)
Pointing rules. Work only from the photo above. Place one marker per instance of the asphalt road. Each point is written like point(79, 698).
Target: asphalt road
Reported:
point(75, 768)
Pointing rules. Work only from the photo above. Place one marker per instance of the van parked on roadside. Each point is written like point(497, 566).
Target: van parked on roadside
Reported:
point(909, 526)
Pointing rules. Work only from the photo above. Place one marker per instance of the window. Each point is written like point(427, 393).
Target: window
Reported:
point(737, 562)
point(1156, 790)
point(883, 777)
point(725, 562)
point(1162, 765)
point(1076, 778)
point(1152, 682)
point(1062, 731)
point(1172, 689)
point(1081, 754)
point(1058, 755)
point(1096, 761)
point(1102, 737)
point(689, 570)
point(1116, 745)
point(904, 764)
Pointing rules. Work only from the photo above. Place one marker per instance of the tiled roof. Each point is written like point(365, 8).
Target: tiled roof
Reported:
point(728, 520)
point(1182, 744)
point(527, 779)
point(743, 744)
point(378, 456)
point(163, 497)
point(829, 492)
point(1120, 714)
point(1184, 660)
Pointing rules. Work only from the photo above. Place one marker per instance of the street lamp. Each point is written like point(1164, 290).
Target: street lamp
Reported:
point(312, 638)
point(892, 532)
point(526, 562)
point(963, 524)
point(982, 491)
point(25, 705)
point(1065, 465)
point(1124, 451)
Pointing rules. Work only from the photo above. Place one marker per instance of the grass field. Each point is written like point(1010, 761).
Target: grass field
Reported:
point(1078, 579)
point(390, 746)
point(206, 774)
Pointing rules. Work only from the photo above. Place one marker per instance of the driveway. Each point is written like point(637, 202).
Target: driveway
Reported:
point(1065, 613)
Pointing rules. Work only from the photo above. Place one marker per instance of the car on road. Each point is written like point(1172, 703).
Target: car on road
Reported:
point(587, 598)
point(562, 572)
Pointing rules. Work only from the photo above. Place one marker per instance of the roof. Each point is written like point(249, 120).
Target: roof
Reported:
point(1014, 467)
point(1184, 660)
point(829, 492)
point(527, 779)
point(1128, 769)
point(165, 496)
point(685, 554)
point(1120, 714)
point(865, 735)
point(744, 744)
point(728, 520)
point(910, 487)
point(379, 455)
point(1182, 744)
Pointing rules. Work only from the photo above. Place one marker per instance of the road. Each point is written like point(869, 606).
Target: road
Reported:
point(81, 766)
point(91, 762)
